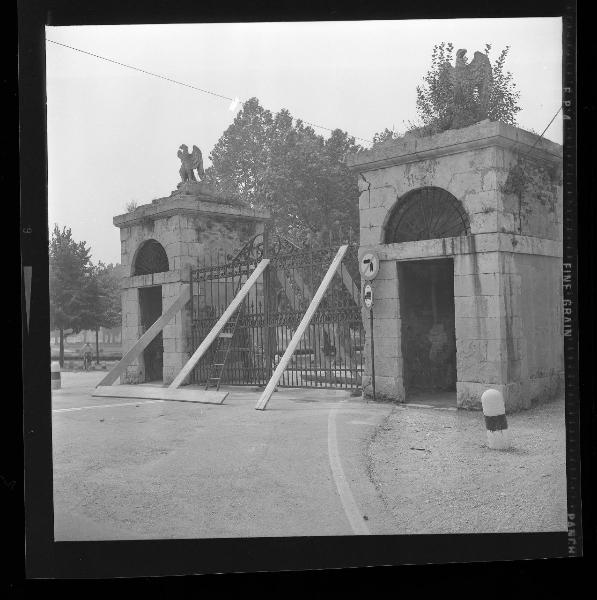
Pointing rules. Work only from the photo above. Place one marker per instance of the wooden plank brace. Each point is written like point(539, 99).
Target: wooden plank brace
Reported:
point(147, 337)
point(298, 334)
point(213, 334)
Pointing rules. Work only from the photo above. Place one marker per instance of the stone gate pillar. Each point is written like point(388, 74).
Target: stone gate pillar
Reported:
point(188, 225)
point(502, 192)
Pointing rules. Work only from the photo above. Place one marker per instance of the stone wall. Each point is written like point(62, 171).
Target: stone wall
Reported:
point(541, 306)
point(509, 184)
point(190, 229)
point(187, 233)
point(478, 166)
point(389, 382)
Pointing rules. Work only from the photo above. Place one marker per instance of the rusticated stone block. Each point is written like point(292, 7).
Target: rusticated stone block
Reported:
point(482, 372)
point(478, 328)
point(478, 306)
point(477, 263)
point(484, 222)
point(386, 388)
point(483, 284)
point(471, 351)
point(386, 308)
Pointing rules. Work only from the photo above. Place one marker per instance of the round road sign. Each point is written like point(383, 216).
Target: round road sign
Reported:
point(369, 265)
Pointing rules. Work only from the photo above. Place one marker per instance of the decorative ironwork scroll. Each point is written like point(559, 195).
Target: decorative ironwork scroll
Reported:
point(426, 213)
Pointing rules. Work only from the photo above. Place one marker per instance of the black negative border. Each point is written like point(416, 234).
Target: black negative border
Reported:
point(45, 558)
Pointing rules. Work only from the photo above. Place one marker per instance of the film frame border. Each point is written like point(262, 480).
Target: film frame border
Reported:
point(65, 554)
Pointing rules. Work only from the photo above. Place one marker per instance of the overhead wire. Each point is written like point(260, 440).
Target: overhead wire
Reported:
point(175, 81)
point(235, 100)
point(546, 128)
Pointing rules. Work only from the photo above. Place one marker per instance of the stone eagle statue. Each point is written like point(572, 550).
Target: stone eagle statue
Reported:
point(472, 83)
point(190, 162)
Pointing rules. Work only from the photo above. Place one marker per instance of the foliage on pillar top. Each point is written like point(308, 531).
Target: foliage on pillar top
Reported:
point(457, 93)
point(457, 96)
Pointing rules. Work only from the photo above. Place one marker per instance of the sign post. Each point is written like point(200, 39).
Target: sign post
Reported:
point(368, 301)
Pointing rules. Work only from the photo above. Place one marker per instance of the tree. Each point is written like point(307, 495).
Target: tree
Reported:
point(271, 161)
point(70, 267)
point(101, 300)
point(435, 96)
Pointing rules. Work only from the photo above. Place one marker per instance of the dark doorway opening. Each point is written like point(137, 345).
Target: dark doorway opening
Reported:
point(150, 305)
point(150, 258)
point(428, 330)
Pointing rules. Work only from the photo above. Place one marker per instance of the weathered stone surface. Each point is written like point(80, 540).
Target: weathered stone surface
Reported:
point(468, 395)
point(386, 388)
point(386, 308)
point(385, 365)
point(478, 306)
point(487, 201)
point(390, 348)
point(386, 280)
point(471, 351)
point(482, 284)
point(191, 223)
point(486, 135)
point(482, 372)
point(484, 222)
point(370, 235)
point(507, 273)
point(544, 389)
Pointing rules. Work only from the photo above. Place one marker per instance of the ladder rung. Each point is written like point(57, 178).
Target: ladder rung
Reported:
point(214, 378)
point(218, 364)
point(226, 334)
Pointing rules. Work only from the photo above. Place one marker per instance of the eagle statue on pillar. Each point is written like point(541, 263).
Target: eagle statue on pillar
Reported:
point(472, 84)
point(190, 163)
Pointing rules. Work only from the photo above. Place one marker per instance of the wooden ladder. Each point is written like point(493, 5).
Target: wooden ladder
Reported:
point(223, 345)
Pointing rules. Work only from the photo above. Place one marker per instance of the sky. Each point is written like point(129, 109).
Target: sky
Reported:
point(113, 133)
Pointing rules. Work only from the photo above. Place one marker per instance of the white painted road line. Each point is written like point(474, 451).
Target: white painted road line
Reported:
point(105, 405)
point(354, 516)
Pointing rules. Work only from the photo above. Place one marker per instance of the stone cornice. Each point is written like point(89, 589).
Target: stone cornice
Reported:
point(481, 135)
point(189, 205)
point(173, 276)
point(481, 242)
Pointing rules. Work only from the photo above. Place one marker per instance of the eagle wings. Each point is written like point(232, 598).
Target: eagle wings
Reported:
point(472, 84)
point(190, 163)
point(197, 161)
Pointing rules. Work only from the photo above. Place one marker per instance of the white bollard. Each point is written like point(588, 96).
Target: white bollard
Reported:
point(55, 375)
point(494, 410)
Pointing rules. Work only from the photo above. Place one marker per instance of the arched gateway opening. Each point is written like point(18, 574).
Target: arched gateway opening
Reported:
point(151, 258)
point(427, 292)
point(424, 214)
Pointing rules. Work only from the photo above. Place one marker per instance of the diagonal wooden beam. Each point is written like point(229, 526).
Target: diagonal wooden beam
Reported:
point(298, 334)
point(351, 286)
point(147, 337)
point(346, 279)
point(159, 393)
point(213, 334)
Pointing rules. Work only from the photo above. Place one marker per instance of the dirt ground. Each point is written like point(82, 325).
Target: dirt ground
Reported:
point(435, 473)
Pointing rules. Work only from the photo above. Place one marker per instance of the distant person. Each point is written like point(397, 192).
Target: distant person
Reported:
point(87, 354)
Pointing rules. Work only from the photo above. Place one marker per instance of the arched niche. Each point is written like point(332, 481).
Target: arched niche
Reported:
point(424, 214)
point(150, 258)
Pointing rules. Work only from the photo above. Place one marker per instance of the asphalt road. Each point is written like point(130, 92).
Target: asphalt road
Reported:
point(126, 469)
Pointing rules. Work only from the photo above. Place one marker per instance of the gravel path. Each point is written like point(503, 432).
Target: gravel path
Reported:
point(434, 472)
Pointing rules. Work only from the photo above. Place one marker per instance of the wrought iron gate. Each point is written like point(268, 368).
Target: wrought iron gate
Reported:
point(330, 353)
